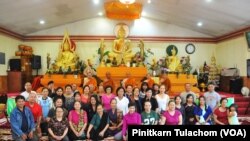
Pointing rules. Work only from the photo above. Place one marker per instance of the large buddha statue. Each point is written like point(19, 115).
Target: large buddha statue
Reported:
point(67, 56)
point(173, 61)
point(121, 47)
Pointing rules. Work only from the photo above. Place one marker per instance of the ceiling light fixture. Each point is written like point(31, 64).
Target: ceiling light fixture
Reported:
point(149, 1)
point(199, 24)
point(96, 1)
point(127, 1)
point(100, 13)
point(209, 0)
point(42, 22)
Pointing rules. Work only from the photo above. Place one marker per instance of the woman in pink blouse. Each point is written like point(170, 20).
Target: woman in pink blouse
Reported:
point(171, 116)
point(78, 121)
point(107, 97)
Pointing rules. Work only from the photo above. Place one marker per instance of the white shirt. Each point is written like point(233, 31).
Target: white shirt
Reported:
point(162, 102)
point(26, 94)
point(233, 120)
point(122, 104)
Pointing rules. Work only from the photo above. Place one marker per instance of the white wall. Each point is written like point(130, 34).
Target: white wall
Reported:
point(103, 26)
point(233, 53)
point(8, 46)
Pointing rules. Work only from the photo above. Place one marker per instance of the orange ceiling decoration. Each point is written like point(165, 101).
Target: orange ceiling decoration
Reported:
point(118, 11)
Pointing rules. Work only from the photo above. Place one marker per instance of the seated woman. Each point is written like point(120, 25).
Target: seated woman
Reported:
point(106, 98)
point(149, 117)
point(98, 125)
point(203, 112)
point(171, 116)
point(152, 100)
point(220, 113)
point(78, 121)
point(58, 126)
point(91, 108)
point(131, 118)
point(52, 112)
point(77, 97)
point(189, 110)
point(115, 122)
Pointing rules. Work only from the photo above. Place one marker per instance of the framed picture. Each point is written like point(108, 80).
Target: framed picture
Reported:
point(247, 34)
point(2, 58)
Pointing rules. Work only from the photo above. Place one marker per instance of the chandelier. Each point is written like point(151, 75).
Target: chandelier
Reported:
point(127, 1)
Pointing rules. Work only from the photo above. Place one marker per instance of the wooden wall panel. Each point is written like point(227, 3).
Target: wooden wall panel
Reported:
point(3, 84)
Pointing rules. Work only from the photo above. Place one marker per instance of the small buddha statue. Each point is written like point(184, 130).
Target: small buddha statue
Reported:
point(114, 62)
point(173, 61)
point(121, 47)
point(67, 56)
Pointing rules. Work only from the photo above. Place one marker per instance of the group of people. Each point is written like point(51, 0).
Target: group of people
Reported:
point(67, 114)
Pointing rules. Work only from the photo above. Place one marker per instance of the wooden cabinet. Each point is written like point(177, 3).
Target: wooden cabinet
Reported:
point(15, 81)
point(225, 83)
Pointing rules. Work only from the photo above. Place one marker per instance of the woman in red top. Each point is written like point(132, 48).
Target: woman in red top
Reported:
point(220, 113)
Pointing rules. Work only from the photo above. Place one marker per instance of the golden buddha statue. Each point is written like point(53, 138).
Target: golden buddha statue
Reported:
point(67, 56)
point(174, 64)
point(121, 47)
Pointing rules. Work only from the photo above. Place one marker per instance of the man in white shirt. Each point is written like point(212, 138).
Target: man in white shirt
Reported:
point(187, 91)
point(28, 90)
point(212, 97)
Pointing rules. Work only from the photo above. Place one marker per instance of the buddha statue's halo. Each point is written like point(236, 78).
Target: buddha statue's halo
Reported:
point(169, 48)
point(121, 26)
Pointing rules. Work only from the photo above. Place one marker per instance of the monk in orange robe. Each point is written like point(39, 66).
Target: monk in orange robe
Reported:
point(129, 80)
point(149, 80)
point(108, 81)
point(90, 81)
point(164, 80)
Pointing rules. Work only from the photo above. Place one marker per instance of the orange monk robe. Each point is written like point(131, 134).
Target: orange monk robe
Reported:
point(90, 81)
point(150, 82)
point(130, 81)
point(109, 82)
point(167, 84)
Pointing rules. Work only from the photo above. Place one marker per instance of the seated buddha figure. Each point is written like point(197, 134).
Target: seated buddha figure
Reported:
point(173, 61)
point(67, 56)
point(121, 47)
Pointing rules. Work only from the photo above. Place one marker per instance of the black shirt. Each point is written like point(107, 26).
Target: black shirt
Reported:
point(3, 99)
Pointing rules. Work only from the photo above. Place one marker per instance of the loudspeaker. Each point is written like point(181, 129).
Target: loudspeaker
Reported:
point(15, 64)
point(248, 68)
point(236, 85)
point(36, 62)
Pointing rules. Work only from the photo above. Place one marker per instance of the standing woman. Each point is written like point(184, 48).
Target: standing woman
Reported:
point(52, 112)
point(122, 101)
point(171, 116)
point(98, 125)
point(151, 99)
point(58, 94)
point(203, 112)
point(106, 98)
point(85, 95)
point(58, 126)
point(179, 106)
point(162, 98)
point(156, 89)
point(46, 103)
point(136, 99)
point(144, 87)
point(189, 110)
point(78, 121)
point(220, 113)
